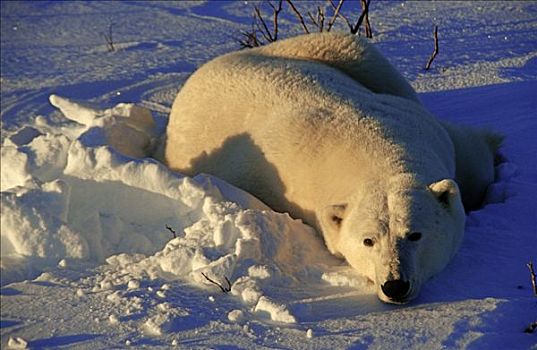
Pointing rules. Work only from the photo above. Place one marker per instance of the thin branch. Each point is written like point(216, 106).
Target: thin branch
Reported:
point(109, 38)
point(299, 16)
point(533, 278)
point(340, 15)
point(259, 25)
point(365, 9)
point(172, 231)
point(335, 15)
point(313, 19)
point(320, 18)
point(265, 29)
point(435, 52)
point(275, 18)
point(319, 22)
point(222, 288)
point(250, 38)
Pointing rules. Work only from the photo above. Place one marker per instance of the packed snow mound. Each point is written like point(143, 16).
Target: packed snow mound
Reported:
point(84, 191)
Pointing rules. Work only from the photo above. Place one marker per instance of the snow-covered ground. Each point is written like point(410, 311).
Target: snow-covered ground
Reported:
point(87, 258)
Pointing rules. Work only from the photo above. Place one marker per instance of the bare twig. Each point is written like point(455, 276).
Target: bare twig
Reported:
point(365, 9)
point(275, 18)
point(299, 16)
point(222, 288)
point(319, 22)
point(228, 284)
point(259, 25)
point(340, 15)
point(172, 231)
point(435, 52)
point(354, 29)
point(320, 18)
point(109, 39)
point(533, 278)
point(313, 19)
point(263, 30)
point(335, 15)
point(250, 38)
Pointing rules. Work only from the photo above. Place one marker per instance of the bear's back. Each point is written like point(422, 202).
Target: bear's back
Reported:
point(350, 54)
point(294, 130)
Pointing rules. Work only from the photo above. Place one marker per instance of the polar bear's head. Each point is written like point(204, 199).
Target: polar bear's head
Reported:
point(397, 236)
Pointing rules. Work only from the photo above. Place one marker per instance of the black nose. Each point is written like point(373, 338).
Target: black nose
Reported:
point(396, 290)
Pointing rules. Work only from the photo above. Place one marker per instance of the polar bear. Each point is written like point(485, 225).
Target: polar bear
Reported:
point(323, 127)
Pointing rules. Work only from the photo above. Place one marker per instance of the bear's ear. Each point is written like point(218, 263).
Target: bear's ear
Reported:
point(331, 220)
point(333, 216)
point(446, 192)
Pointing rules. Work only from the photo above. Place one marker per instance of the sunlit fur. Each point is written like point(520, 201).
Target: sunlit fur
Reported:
point(323, 127)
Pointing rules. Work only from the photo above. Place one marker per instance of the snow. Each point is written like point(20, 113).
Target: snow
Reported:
point(88, 261)
point(17, 343)
point(309, 333)
point(235, 315)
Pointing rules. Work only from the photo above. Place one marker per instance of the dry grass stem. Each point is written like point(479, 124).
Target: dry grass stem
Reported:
point(299, 16)
point(335, 15)
point(172, 231)
point(319, 22)
point(259, 25)
point(109, 39)
point(222, 288)
point(339, 14)
point(435, 52)
point(276, 12)
point(365, 10)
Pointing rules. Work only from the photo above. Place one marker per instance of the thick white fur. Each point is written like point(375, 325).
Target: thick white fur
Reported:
point(323, 127)
point(475, 153)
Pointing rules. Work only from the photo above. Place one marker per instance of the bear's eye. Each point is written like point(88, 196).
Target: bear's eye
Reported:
point(414, 236)
point(368, 242)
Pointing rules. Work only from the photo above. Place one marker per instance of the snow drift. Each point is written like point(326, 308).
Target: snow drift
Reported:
point(83, 192)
